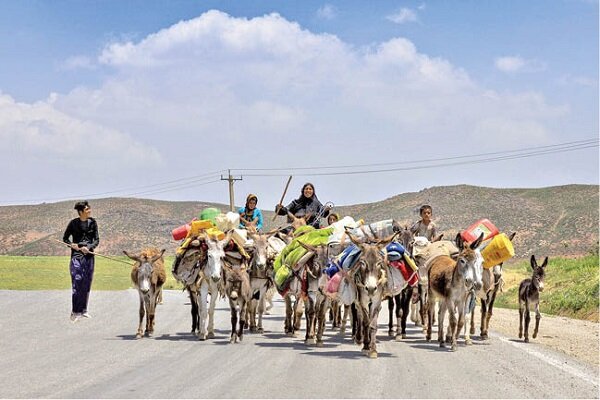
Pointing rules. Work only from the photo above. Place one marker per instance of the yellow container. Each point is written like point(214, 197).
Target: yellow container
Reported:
point(499, 250)
point(198, 226)
point(215, 234)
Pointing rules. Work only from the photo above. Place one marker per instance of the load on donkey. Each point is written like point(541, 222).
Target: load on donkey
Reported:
point(199, 264)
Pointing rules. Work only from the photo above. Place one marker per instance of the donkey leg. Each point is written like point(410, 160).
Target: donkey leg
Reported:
point(527, 320)
point(243, 309)
point(309, 338)
point(321, 317)
point(538, 316)
point(429, 319)
point(459, 327)
point(211, 310)
point(261, 311)
point(234, 318)
point(140, 331)
point(289, 312)
point(202, 311)
point(441, 314)
point(390, 302)
point(373, 331)
point(521, 315)
point(344, 319)
point(403, 311)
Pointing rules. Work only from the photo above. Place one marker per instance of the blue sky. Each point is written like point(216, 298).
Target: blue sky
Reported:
point(121, 96)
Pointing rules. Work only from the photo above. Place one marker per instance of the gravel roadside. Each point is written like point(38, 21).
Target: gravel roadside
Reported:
point(576, 338)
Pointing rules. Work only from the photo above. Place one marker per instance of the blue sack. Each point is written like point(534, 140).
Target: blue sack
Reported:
point(347, 258)
point(395, 251)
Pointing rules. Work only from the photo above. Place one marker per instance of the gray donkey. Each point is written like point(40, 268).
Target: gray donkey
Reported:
point(529, 294)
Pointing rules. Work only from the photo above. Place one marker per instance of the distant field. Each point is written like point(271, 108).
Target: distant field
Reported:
point(570, 287)
point(571, 284)
point(52, 272)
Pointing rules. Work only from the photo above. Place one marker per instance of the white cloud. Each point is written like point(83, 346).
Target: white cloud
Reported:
point(57, 140)
point(513, 64)
point(78, 62)
point(223, 92)
point(327, 11)
point(403, 16)
point(579, 81)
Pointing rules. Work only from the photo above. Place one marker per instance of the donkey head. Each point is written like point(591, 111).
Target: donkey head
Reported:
point(370, 266)
point(215, 256)
point(406, 239)
point(144, 267)
point(539, 272)
point(259, 251)
point(298, 221)
point(470, 262)
point(318, 262)
point(236, 281)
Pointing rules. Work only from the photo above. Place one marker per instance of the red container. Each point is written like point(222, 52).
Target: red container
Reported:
point(484, 226)
point(181, 231)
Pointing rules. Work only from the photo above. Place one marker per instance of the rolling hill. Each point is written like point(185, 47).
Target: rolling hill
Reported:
point(560, 220)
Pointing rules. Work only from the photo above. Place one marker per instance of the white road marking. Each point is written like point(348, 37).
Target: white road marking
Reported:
point(554, 361)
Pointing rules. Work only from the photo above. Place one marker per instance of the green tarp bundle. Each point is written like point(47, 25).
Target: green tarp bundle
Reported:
point(293, 252)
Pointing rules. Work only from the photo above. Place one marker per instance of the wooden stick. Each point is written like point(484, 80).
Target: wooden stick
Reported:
point(282, 197)
point(96, 254)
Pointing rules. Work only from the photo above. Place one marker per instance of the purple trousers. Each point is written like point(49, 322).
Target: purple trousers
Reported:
point(82, 272)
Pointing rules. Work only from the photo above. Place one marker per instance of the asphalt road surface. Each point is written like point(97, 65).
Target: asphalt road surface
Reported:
point(44, 355)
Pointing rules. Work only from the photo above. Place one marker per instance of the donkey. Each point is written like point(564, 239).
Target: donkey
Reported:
point(261, 279)
point(200, 270)
point(148, 275)
point(237, 290)
point(492, 284)
point(451, 281)
point(400, 297)
point(529, 294)
point(370, 276)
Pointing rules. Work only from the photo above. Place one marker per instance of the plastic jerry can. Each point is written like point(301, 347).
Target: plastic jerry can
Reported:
point(499, 250)
point(484, 226)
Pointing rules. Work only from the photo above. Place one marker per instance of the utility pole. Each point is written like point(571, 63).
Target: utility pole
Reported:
point(231, 179)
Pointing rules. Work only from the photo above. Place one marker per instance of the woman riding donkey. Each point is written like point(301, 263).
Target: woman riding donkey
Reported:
point(306, 206)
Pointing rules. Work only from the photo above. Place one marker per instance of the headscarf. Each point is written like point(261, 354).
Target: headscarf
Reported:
point(250, 197)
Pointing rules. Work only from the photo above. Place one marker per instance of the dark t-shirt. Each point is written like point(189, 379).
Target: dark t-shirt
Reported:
point(82, 233)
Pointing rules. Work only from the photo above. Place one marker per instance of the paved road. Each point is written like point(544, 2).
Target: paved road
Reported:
point(44, 355)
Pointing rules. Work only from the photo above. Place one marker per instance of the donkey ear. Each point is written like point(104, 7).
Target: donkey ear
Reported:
point(512, 236)
point(545, 263)
point(353, 239)
point(438, 238)
point(460, 243)
point(132, 256)
point(158, 256)
point(307, 246)
point(477, 242)
point(533, 262)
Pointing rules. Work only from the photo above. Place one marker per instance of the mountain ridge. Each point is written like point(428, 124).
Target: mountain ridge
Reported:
point(557, 220)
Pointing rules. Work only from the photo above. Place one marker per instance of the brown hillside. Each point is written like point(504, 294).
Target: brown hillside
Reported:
point(560, 220)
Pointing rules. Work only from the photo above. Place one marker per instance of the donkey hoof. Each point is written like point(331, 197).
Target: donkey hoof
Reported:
point(391, 332)
point(472, 331)
point(534, 335)
point(442, 345)
point(202, 337)
point(310, 341)
point(138, 335)
point(526, 340)
point(289, 334)
point(252, 329)
point(453, 347)
point(233, 339)
point(484, 336)
point(365, 351)
point(373, 354)
point(320, 343)
point(211, 335)
point(261, 330)
point(468, 342)
point(520, 335)
point(240, 338)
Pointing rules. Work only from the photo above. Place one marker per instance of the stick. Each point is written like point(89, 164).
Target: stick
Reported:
point(282, 197)
point(96, 254)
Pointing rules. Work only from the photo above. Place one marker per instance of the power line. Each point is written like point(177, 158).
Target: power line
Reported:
point(559, 145)
point(438, 165)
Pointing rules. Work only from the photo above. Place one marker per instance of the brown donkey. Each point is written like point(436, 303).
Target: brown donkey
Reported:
point(529, 294)
point(148, 275)
point(451, 281)
point(237, 290)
